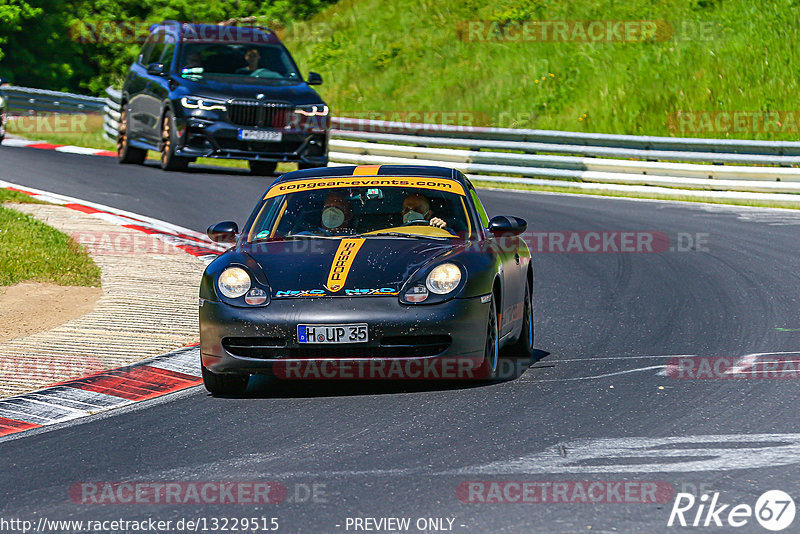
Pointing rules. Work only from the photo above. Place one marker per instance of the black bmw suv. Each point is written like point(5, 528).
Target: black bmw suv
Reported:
point(232, 92)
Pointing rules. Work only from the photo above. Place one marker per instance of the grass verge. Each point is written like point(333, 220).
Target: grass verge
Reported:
point(31, 251)
point(7, 195)
point(714, 68)
point(74, 129)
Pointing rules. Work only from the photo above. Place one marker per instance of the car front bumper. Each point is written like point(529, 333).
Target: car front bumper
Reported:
point(447, 338)
point(219, 139)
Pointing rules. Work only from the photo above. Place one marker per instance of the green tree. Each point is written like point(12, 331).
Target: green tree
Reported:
point(86, 45)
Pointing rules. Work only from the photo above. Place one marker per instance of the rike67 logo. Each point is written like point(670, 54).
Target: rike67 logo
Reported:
point(774, 510)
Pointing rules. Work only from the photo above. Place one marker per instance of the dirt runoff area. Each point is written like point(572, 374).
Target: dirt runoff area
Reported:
point(32, 307)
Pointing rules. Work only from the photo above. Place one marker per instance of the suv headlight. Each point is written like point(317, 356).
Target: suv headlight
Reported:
point(204, 104)
point(443, 278)
point(314, 110)
point(234, 282)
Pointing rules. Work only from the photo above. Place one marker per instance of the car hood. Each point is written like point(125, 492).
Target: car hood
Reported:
point(297, 93)
point(371, 266)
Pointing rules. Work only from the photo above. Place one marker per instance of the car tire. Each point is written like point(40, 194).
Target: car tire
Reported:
point(491, 353)
point(169, 140)
point(263, 168)
point(125, 152)
point(523, 348)
point(225, 385)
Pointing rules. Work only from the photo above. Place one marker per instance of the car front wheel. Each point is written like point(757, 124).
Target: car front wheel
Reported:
point(219, 384)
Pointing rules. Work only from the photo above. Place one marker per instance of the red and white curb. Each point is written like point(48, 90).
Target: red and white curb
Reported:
point(101, 391)
point(113, 388)
point(69, 149)
point(195, 243)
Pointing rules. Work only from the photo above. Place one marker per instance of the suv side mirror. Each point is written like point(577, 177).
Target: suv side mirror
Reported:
point(507, 225)
point(156, 69)
point(224, 232)
point(314, 79)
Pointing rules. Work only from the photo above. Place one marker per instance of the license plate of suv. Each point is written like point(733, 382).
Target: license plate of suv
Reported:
point(332, 333)
point(261, 135)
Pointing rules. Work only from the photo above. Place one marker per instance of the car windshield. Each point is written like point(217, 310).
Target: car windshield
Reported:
point(404, 209)
point(237, 60)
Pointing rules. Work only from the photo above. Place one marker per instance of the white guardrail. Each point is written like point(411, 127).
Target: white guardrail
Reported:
point(517, 155)
point(24, 100)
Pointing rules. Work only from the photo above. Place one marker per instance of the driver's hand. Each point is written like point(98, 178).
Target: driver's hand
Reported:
point(438, 223)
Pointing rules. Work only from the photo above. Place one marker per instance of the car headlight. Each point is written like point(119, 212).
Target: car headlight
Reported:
point(316, 110)
point(234, 282)
point(444, 278)
point(205, 104)
point(2, 102)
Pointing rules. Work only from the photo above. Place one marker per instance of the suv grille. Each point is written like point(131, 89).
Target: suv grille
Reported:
point(257, 113)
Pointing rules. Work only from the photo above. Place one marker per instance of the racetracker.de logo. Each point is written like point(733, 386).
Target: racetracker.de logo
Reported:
point(599, 242)
point(212, 492)
point(137, 32)
point(567, 492)
point(441, 368)
point(565, 31)
point(21, 368)
point(751, 366)
point(734, 121)
point(131, 242)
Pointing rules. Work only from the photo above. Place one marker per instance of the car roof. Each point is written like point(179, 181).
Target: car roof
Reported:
point(376, 170)
point(217, 32)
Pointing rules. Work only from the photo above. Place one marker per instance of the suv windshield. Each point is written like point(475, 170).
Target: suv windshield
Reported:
point(379, 210)
point(237, 60)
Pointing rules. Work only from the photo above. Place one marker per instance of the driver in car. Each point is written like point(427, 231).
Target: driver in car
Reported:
point(252, 58)
point(417, 207)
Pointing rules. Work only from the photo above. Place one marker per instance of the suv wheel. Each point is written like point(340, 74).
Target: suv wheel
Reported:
point(169, 139)
point(125, 152)
point(263, 168)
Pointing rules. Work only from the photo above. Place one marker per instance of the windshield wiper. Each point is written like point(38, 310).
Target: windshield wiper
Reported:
point(401, 234)
point(290, 237)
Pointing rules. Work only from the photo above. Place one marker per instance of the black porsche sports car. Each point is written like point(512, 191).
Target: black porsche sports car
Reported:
point(365, 272)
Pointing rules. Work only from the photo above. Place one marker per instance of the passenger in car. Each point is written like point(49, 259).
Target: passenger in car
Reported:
point(417, 207)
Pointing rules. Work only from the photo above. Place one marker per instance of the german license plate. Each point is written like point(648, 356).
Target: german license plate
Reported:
point(260, 135)
point(332, 333)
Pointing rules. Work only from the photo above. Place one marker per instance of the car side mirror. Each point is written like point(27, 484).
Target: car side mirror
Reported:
point(156, 69)
point(224, 232)
point(314, 79)
point(507, 225)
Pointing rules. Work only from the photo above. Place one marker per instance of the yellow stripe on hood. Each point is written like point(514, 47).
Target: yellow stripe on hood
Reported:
point(366, 170)
point(342, 262)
